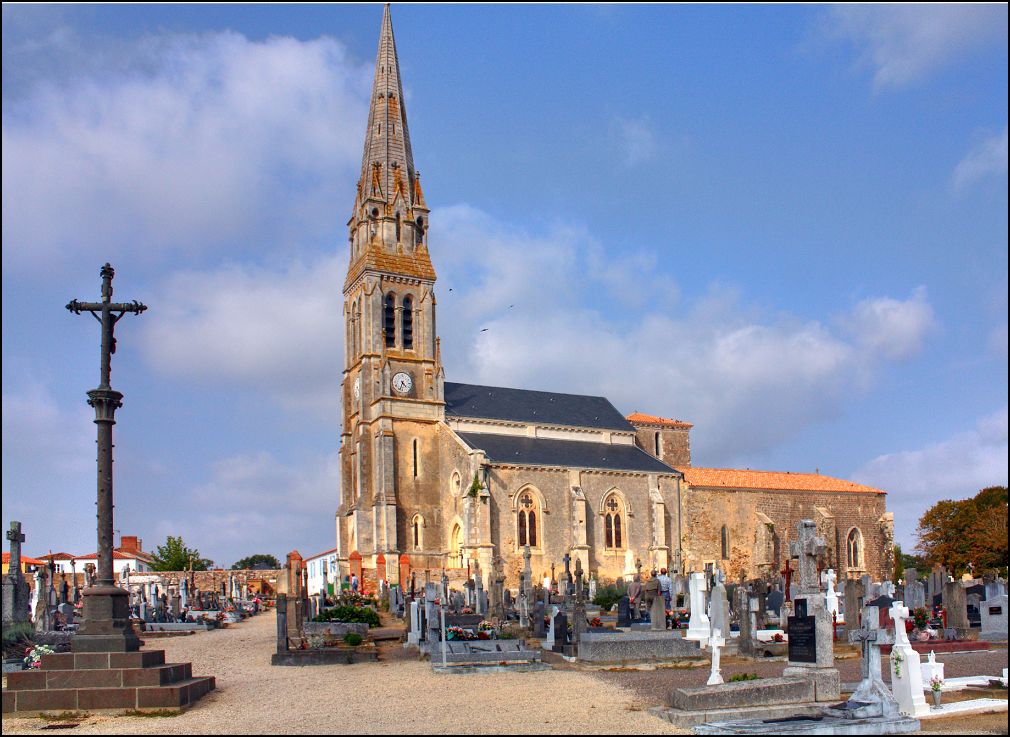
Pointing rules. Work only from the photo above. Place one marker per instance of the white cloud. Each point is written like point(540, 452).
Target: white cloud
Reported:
point(531, 310)
point(988, 158)
point(892, 328)
point(279, 331)
point(955, 468)
point(535, 310)
point(904, 43)
point(180, 144)
point(254, 503)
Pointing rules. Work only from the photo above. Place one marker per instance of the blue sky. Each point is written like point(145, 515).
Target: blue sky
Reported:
point(787, 225)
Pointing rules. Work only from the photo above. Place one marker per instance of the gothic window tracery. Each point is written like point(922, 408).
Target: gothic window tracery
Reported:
point(854, 546)
point(614, 517)
point(527, 520)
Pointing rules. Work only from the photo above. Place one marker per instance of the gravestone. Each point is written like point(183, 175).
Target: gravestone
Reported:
point(774, 601)
point(994, 618)
point(931, 669)
point(67, 611)
point(915, 593)
point(16, 596)
point(657, 613)
point(853, 604)
point(624, 612)
point(698, 627)
point(994, 588)
point(716, 642)
point(811, 655)
point(539, 628)
point(872, 697)
point(551, 638)
point(956, 605)
point(742, 601)
point(906, 675)
point(719, 614)
point(560, 632)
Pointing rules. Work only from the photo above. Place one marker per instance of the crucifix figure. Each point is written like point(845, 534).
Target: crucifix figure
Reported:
point(106, 607)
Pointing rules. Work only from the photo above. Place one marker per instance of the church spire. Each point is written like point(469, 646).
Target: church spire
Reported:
point(389, 225)
point(387, 164)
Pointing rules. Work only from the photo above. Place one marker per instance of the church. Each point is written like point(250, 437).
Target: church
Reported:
point(444, 476)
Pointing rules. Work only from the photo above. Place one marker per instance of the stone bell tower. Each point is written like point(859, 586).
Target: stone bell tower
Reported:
point(392, 378)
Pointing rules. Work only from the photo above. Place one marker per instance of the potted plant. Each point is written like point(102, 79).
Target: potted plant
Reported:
point(936, 689)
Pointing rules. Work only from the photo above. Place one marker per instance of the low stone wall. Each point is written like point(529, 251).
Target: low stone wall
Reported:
point(635, 647)
point(326, 656)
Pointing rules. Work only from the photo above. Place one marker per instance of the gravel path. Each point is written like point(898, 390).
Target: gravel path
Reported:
point(401, 695)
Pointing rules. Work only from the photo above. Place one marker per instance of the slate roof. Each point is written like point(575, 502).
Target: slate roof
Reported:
point(528, 451)
point(532, 407)
point(772, 481)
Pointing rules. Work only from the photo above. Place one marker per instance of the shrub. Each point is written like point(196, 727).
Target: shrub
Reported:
point(607, 596)
point(350, 614)
point(744, 677)
point(353, 639)
point(16, 638)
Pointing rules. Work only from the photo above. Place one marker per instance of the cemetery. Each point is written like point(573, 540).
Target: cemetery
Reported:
point(793, 640)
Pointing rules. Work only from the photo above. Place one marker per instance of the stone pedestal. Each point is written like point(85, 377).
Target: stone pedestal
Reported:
point(106, 627)
point(84, 681)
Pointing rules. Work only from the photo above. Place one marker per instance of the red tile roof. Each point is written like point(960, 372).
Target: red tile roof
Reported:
point(772, 480)
point(640, 418)
point(119, 555)
point(25, 560)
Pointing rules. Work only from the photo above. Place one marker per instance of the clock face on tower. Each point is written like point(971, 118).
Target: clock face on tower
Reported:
point(402, 383)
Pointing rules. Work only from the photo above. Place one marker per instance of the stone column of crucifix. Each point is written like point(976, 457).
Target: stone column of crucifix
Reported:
point(16, 604)
point(106, 607)
point(787, 572)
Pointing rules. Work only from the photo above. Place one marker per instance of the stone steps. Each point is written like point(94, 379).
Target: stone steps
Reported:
point(104, 681)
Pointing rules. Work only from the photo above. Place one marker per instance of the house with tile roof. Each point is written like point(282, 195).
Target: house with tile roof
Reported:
point(439, 475)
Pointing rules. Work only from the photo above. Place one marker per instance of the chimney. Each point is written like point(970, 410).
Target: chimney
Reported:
point(129, 544)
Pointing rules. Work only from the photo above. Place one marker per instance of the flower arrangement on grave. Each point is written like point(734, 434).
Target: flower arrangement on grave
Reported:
point(507, 633)
point(935, 684)
point(466, 610)
point(485, 626)
point(595, 622)
point(33, 655)
point(458, 633)
point(777, 637)
point(920, 618)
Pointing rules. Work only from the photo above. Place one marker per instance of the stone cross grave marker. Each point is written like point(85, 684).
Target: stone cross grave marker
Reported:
point(716, 641)
point(872, 693)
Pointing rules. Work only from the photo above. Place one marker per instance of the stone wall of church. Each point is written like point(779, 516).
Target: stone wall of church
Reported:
point(419, 490)
point(565, 521)
point(674, 443)
point(761, 524)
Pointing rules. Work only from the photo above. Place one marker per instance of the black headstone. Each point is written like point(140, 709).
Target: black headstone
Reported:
point(802, 630)
point(774, 601)
point(624, 612)
point(539, 626)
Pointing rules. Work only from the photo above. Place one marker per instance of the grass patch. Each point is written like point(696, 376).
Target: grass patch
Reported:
point(152, 713)
point(744, 677)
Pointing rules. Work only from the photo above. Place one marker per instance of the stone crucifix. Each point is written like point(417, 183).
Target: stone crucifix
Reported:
point(16, 537)
point(106, 607)
point(807, 549)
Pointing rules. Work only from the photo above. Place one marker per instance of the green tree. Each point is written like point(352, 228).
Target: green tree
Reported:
point(260, 560)
point(175, 556)
point(902, 561)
